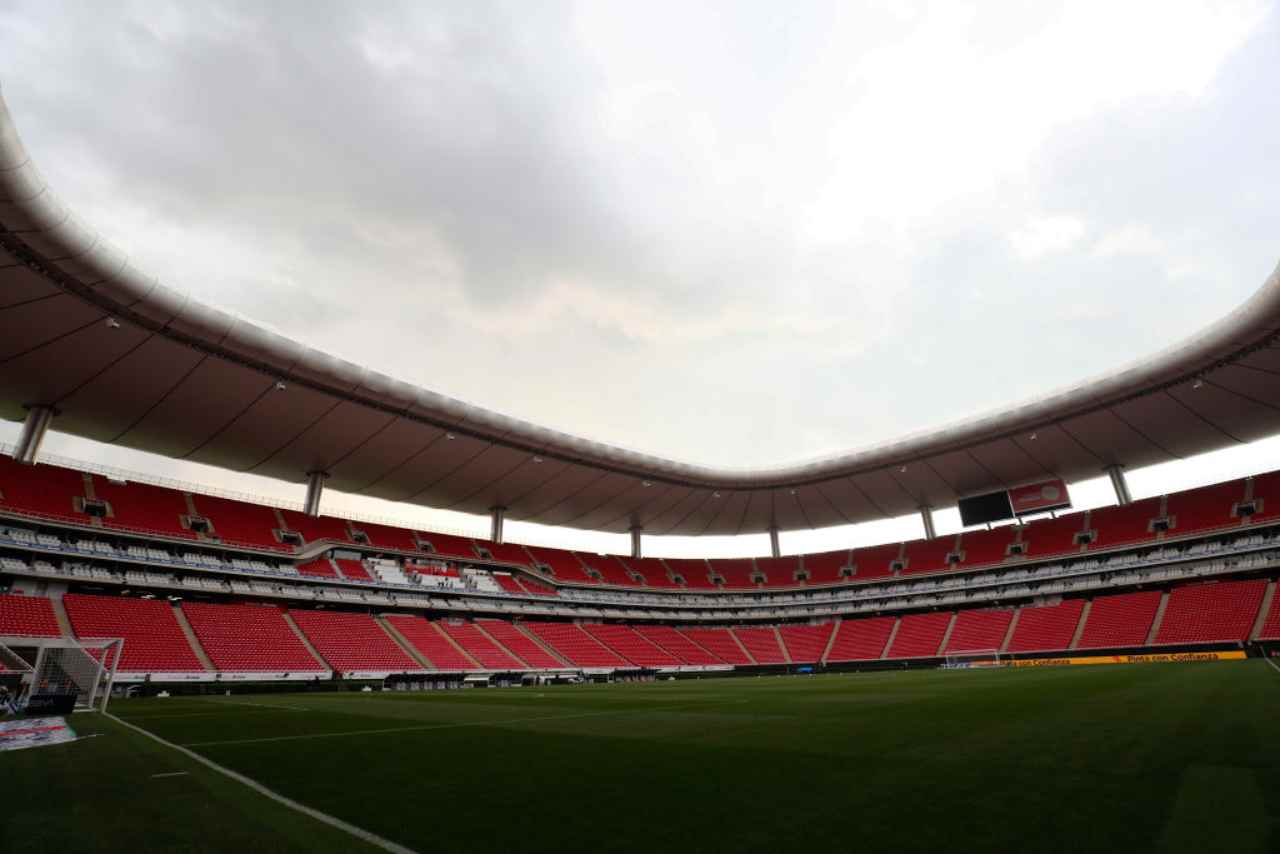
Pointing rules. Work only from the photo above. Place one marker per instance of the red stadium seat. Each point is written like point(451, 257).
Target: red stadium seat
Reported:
point(762, 643)
point(249, 638)
point(153, 640)
point(479, 646)
point(1046, 629)
point(720, 642)
point(631, 645)
point(919, 635)
point(979, 630)
point(806, 644)
point(432, 643)
point(1122, 620)
point(678, 645)
point(353, 642)
point(861, 640)
point(1213, 611)
point(575, 645)
point(519, 644)
point(27, 616)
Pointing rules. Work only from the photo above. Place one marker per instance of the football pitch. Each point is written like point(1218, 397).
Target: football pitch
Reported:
point(1156, 757)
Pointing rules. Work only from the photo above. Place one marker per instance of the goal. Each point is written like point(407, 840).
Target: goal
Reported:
point(61, 674)
point(974, 658)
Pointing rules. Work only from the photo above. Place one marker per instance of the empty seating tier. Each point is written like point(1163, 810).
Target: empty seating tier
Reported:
point(353, 569)
point(153, 640)
point(738, 573)
point(720, 642)
point(321, 568)
point(319, 528)
point(40, 490)
point(983, 548)
point(508, 583)
point(612, 569)
point(1206, 509)
point(861, 640)
point(142, 507)
point(1048, 628)
point(449, 545)
point(805, 644)
point(625, 641)
point(1117, 526)
point(919, 635)
point(1120, 621)
point(478, 645)
point(238, 522)
point(873, 561)
point(249, 638)
point(762, 644)
point(678, 645)
point(520, 644)
point(979, 630)
point(1214, 611)
point(431, 643)
point(563, 565)
point(1271, 625)
point(27, 616)
point(353, 642)
point(575, 645)
point(824, 567)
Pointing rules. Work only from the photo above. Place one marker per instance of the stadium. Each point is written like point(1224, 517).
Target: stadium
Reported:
point(200, 669)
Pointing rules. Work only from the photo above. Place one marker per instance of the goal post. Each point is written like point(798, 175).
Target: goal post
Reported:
point(974, 658)
point(62, 673)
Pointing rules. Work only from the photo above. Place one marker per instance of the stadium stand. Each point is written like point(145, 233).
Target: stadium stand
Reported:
point(386, 537)
point(506, 553)
point(249, 638)
point(1266, 496)
point(979, 630)
point(1207, 509)
point(352, 569)
point(41, 490)
point(508, 583)
point(351, 642)
point(519, 644)
point(861, 640)
point(928, 555)
point(737, 573)
point(1271, 624)
point(1213, 611)
point(318, 568)
point(981, 548)
point(563, 565)
point(1047, 628)
point(919, 635)
point(1049, 537)
point(479, 646)
point(805, 644)
point(762, 643)
point(632, 646)
point(431, 643)
point(720, 642)
point(537, 588)
point(612, 569)
point(1124, 525)
point(873, 561)
point(694, 571)
point(678, 645)
point(574, 645)
point(27, 616)
point(153, 640)
point(1122, 620)
point(238, 522)
point(319, 528)
point(824, 567)
point(448, 545)
point(142, 507)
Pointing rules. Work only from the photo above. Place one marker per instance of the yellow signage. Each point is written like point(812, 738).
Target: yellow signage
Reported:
point(1150, 658)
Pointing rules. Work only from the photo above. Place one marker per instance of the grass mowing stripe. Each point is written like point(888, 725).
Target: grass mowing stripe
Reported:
point(358, 832)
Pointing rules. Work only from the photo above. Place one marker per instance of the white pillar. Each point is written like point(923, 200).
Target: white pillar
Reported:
point(33, 432)
point(775, 548)
point(926, 516)
point(497, 515)
point(1119, 484)
point(636, 551)
point(315, 489)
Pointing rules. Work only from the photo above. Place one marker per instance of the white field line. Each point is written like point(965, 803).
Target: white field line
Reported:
point(259, 705)
point(1274, 666)
point(453, 725)
point(169, 774)
point(358, 832)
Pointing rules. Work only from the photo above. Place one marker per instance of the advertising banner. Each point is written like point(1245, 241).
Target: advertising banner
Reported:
point(1038, 497)
point(1150, 658)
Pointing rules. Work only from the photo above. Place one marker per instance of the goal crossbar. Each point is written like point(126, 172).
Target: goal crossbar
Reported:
point(79, 672)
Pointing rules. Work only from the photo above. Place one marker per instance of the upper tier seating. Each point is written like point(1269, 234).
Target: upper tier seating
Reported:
point(563, 565)
point(537, 588)
point(1205, 509)
point(519, 644)
point(153, 640)
point(873, 561)
point(695, 572)
point(1213, 611)
point(805, 644)
point(983, 548)
point(352, 569)
point(448, 545)
point(386, 537)
point(779, 571)
point(919, 635)
point(1048, 628)
point(507, 552)
point(320, 528)
point(737, 573)
point(928, 555)
point(478, 645)
point(320, 568)
point(1122, 526)
point(1119, 621)
point(632, 646)
point(575, 645)
point(1266, 493)
point(1270, 626)
point(761, 643)
point(824, 567)
point(249, 638)
point(508, 583)
point(142, 507)
point(352, 642)
point(27, 616)
point(612, 569)
point(236, 521)
point(431, 643)
point(979, 630)
point(678, 645)
point(720, 642)
point(1048, 537)
point(43, 490)
point(861, 640)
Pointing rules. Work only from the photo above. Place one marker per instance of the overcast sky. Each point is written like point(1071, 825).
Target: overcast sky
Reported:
point(733, 233)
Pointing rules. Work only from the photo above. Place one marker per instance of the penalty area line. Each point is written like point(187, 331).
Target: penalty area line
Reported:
point(323, 817)
point(1274, 666)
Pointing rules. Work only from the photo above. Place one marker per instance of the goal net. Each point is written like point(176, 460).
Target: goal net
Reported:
point(974, 658)
point(61, 674)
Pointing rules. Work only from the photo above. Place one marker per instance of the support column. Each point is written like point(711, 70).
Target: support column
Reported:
point(926, 516)
point(315, 489)
point(636, 532)
point(775, 548)
point(1119, 484)
point(33, 432)
point(497, 515)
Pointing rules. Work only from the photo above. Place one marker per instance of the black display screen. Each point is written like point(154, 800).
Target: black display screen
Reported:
point(980, 509)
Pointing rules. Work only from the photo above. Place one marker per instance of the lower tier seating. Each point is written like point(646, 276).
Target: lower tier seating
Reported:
point(919, 635)
point(1120, 620)
point(861, 640)
point(1048, 628)
point(27, 616)
point(720, 642)
point(762, 644)
point(519, 644)
point(353, 642)
point(153, 640)
point(1214, 611)
point(1271, 625)
point(478, 645)
point(806, 644)
point(576, 646)
point(979, 630)
point(678, 645)
point(431, 643)
point(249, 638)
point(625, 641)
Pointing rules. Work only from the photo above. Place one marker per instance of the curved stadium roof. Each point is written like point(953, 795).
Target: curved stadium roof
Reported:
point(128, 360)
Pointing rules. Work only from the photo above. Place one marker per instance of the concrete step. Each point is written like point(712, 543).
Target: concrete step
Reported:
point(403, 642)
point(306, 641)
point(1155, 624)
point(1008, 635)
point(192, 639)
point(786, 653)
point(1261, 619)
point(453, 643)
point(499, 644)
point(893, 633)
point(946, 636)
point(835, 629)
point(1084, 618)
point(547, 648)
point(745, 651)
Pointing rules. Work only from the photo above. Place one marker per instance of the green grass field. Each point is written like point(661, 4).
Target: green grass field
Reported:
point(1160, 757)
